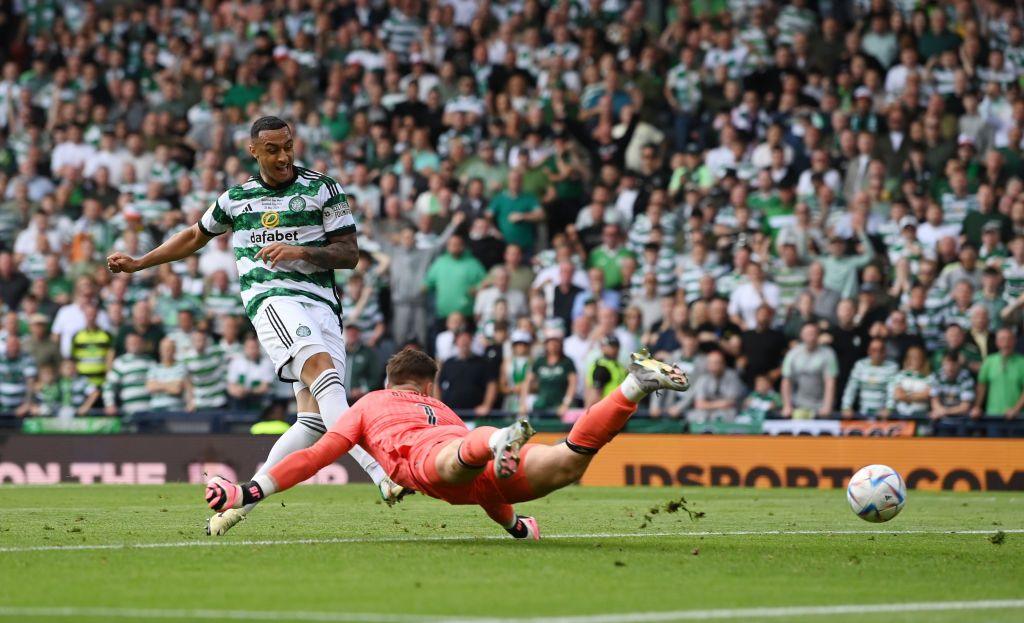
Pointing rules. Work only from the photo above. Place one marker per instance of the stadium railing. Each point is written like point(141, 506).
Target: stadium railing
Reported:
point(239, 421)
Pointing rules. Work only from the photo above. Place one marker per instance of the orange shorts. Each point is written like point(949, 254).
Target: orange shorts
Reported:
point(485, 489)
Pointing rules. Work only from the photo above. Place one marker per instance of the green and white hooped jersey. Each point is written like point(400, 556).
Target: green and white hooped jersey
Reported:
point(303, 213)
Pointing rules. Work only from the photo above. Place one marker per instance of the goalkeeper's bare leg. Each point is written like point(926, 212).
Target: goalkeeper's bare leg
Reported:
point(526, 472)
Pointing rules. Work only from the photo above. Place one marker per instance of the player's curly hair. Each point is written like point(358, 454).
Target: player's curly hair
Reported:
point(411, 365)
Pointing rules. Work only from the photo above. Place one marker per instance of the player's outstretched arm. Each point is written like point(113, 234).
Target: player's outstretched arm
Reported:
point(297, 467)
point(177, 247)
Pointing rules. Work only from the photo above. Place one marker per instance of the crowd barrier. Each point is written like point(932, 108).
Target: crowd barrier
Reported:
point(630, 460)
point(217, 421)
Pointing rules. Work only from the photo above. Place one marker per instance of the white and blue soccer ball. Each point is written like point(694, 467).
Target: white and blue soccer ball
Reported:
point(876, 493)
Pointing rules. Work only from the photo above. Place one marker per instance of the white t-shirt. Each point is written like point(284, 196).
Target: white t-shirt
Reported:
point(245, 371)
point(745, 300)
point(70, 319)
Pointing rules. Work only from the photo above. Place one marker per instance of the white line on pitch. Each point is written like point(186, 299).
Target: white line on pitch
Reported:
point(427, 539)
point(625, 617)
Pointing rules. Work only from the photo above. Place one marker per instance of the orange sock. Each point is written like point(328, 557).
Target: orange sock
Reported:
point(474, 451)
point(600, 423)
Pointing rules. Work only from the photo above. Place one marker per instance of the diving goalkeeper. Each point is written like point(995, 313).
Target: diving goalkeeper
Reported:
point(423, 445)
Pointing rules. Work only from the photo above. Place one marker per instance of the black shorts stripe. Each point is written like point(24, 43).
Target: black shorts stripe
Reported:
point(279, 326)
point(281, 336)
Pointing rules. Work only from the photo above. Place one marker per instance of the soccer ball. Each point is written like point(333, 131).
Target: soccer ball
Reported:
point(876, 493)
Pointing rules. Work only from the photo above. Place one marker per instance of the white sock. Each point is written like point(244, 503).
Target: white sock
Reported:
point(368, 463)
point(329, 392)
point(306, 430)
point(631, 389)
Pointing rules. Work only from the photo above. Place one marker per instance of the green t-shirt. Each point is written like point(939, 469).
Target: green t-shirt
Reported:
point(451, 279)
point(1004, 377)
point(552, 382)
point(521, 233)
point(610, 263)
point(240, 95)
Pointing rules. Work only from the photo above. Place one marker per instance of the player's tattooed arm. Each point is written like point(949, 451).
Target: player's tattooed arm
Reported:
point(342, 251)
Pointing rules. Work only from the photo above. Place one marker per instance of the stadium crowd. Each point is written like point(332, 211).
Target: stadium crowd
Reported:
point(814, 208)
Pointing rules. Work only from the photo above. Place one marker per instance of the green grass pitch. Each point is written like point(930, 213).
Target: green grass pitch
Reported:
point(337, 554)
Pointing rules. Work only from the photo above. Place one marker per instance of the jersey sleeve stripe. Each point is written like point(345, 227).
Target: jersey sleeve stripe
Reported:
point(341, 231)
point(335, 200)
point(207, 232)
point(220, 215)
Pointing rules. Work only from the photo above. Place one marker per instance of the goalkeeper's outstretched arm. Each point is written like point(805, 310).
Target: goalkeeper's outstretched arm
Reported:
point(179, 246)
point(297, 467)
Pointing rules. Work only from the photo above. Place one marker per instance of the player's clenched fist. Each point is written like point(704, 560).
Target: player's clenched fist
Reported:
point(121, 263)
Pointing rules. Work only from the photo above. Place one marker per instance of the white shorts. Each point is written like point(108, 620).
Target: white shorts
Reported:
point(286, 326)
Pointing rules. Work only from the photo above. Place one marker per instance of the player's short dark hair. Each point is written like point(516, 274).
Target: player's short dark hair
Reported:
point(266, 123)
point(410, 365)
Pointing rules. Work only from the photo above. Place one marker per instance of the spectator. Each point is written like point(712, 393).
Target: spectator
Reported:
point(809, 377)
point(516, 213)
point(717, 393)
point(362, 368)
point(250, 377)
point(604, 373)
point(40, 344)
point(763, 402)
point(125, 388)
point(206, 366)
point(463, 381)
point(452, 278)
point(483, 307)
point(1000, 384)
point(978, 334)
point(909, 395)
point(868, 384)
point(13, 283)
point(514, 370)
point(763, 348)
point(407, 273)
point(840, 269)
point(17, 377)
point(362, 308)
point(609, 256)
point(551, 382)
point(596, 293)
point(66, 396)
point(823, 299)
point(70, 318)
point(92, 348)
point(167, 381)
point(952, 395)
point(688, 358)
point(749, 297)
point(143, 326)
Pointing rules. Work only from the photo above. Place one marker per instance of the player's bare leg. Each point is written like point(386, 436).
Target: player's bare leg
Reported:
point(549, 468)
point(464, 459)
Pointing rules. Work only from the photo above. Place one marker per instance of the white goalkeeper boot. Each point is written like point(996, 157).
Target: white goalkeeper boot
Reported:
point(652, 375)
point(219, 524)
point(391, 492)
